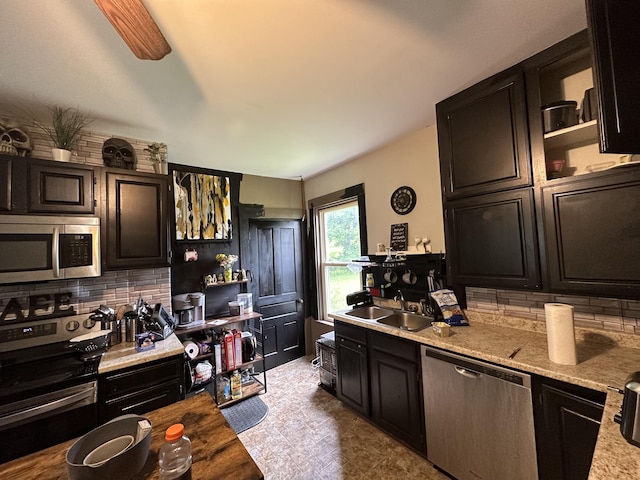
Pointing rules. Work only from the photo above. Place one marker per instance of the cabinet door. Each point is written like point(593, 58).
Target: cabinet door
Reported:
point(567, 427)
point(614, 31)
point(592, 233)
point(396, 404)
point(483, 138)
point(59, 189)
point(491, 240)
point(352, 374)
point(136, 220)
point(5, 184)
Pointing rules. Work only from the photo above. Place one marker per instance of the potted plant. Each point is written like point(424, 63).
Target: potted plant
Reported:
point(64, 132)
point(158, 156)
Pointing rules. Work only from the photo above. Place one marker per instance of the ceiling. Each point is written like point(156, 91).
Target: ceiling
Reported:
point(278, 88)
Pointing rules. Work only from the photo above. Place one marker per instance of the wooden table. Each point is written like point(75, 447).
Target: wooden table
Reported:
point(217, 451)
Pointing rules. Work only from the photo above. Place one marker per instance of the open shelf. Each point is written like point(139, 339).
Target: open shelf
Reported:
point(243, 365)
point(224, 284)
point(577, 135)
point(250, 390)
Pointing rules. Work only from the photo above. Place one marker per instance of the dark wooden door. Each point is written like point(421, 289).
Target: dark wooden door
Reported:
point(483, 137)
point(5, 184)
point(592, 233)
point(614, 31)
point(59, 189)
point(135, 220)
point(279, 277)
point(352, 371)
point(567, 425)
point(396, 403)
point(491, 240)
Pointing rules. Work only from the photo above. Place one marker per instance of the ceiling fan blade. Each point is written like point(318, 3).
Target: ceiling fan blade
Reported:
point(132, 21)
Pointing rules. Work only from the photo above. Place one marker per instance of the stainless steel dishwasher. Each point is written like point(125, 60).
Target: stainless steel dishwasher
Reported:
point(478, 417)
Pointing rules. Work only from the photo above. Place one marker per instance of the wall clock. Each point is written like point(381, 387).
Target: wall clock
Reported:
point(403, 199)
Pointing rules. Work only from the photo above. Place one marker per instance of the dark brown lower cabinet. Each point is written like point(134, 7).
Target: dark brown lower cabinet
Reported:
point(352, 382)
point(567, 421)
point(141, 388)
point(378, 376)
point(396, 390)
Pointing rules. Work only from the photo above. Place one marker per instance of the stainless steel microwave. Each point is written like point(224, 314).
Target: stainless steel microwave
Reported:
point(39, 248)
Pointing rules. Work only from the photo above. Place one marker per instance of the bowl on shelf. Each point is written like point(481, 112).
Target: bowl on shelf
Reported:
point(559, 115)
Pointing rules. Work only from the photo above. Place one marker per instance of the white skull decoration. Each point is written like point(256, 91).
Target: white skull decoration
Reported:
point(117, 152)
point(14, 138)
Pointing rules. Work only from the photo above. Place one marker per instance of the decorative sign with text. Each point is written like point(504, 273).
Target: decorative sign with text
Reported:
point(399, 236)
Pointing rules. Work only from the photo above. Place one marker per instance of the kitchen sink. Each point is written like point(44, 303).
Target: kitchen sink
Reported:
point(406, 321)
point(369, 312)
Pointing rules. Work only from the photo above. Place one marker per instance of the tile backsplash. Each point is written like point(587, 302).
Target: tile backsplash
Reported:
point(112, 289)
point(590, 312)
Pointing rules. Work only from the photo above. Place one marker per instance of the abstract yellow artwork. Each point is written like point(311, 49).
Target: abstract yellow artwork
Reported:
point(202, 206)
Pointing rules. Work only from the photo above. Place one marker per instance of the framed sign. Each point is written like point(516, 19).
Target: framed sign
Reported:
point(202, 206)
point(398, 239)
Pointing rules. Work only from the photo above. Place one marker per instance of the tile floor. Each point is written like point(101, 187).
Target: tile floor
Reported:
point(308, 434)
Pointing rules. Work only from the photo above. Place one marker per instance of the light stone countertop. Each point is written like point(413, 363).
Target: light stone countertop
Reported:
point(603, 359)
point(125, 354)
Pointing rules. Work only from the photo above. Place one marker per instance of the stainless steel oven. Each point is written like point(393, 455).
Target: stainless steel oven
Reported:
point(48, 391)
point(40, 248)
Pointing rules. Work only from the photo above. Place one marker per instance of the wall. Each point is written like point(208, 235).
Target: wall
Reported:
point(281, 198)
point(89, 148)
point(411, 160)
point(617, 315)
point(112, 288)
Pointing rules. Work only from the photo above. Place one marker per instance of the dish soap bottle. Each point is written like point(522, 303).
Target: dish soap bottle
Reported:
point(236, 385)
point(174, 457)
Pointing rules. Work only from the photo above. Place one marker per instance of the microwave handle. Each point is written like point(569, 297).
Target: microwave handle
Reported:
point(55, 252)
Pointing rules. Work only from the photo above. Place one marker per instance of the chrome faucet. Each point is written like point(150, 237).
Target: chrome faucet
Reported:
point(400, 298)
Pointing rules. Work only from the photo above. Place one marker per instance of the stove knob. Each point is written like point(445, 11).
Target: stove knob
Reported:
point(72, 326)
point(89, 323)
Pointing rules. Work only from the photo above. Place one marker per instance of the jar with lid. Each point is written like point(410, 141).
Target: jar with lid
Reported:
point(174, 457)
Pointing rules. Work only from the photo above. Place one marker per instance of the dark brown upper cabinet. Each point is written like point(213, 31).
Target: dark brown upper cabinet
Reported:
point(5, 184)
point(491, 240)
point(31, 185)
point(135, 220)
point(613, 25)
point(483, 137)
point(55, 188)
point(592, 233)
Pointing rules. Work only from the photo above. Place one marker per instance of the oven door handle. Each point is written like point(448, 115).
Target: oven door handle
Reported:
point(84, 397)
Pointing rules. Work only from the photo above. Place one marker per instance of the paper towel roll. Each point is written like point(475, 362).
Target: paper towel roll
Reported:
point(191, 349)
point(561, 339)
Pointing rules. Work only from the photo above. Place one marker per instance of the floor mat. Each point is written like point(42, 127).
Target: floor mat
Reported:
point(245, 414)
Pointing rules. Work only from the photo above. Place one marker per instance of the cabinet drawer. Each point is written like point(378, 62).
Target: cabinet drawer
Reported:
point(395, 346)
point(142, 401)
point(138, 378)
point(357, 334)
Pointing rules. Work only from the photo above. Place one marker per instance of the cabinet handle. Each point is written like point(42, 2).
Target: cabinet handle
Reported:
point(55, 252)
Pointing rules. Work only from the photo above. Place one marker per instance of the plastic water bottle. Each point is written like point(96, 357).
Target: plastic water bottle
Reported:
point(175, 454)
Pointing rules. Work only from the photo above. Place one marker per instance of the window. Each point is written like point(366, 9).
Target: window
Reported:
point(339, 233)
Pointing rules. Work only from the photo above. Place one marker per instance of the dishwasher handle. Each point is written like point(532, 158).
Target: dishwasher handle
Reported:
point(467, 373)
